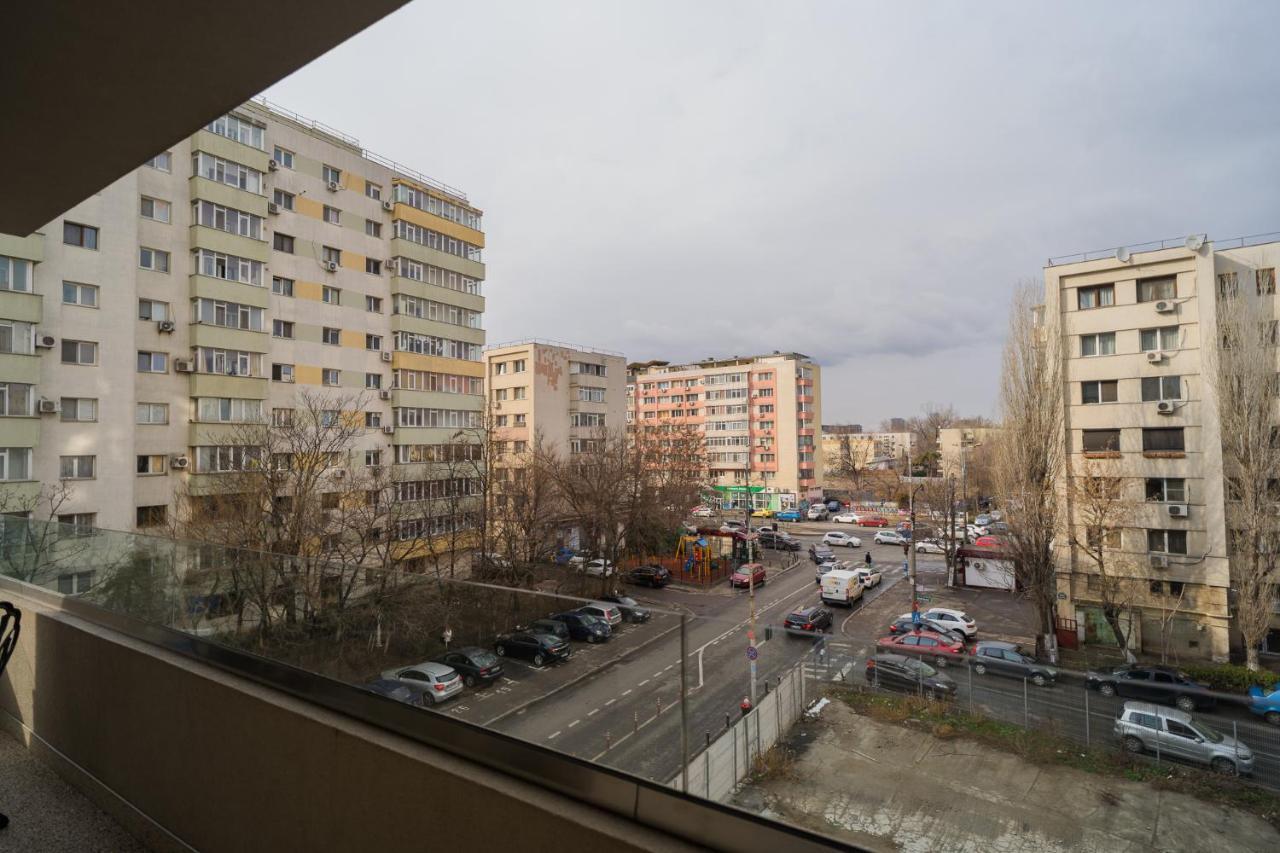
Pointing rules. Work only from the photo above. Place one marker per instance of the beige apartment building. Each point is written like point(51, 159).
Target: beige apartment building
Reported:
point(263, 255)
point(760, 415)
point(1138, 407)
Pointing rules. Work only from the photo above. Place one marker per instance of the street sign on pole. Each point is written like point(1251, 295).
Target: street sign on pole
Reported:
point(752, 653)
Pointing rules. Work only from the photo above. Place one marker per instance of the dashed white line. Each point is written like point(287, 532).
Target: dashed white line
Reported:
point(658, 674)
point(553, 736)
point(643, 683)
point(574, 723)
point(593, 711)
point(610, 702)
point(625, 692)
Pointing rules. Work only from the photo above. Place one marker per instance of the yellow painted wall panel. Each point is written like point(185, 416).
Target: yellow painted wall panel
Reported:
point(305, 374)
point(308, 290)
point(352, 338)
point(352, 260)
point(436, 364)
point(308, 207)
point(409, 213)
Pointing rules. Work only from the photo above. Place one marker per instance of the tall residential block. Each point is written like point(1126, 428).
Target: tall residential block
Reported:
point(1140, 406)
point(263, 255)
point(760, 415)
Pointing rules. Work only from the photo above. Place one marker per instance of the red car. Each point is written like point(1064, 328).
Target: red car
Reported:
point(874, 521)
point(929, 644)
point(747, 575)
point(988, 542)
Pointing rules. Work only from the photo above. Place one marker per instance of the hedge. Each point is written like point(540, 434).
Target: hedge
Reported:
point(1233, 678)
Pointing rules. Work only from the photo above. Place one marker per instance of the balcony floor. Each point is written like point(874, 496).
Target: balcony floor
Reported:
point(48, 815)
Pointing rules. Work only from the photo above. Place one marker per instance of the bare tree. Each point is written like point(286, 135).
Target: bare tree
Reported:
point(1167, 617)
point(848, 469)
point(1030, 452)
point(1101, 510)
point(33, 544)
point(1241, 369)
point(926, 428)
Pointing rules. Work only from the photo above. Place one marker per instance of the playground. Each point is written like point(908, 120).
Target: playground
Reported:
point(705, 557)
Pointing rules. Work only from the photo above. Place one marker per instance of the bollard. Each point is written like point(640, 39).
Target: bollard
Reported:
point(726, 722)
point(708, 737)
point(706, 766)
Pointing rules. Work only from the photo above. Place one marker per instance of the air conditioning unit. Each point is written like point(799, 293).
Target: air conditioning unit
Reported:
point(387, 204)
point(1155, 356)
point(388, 430)
point(166, 325)
point(1159, 561)
point(333, 186)
point(1179, 511)
point(272, 165)
point(386, 356)
point(1165, 407)
point(45, 341)
point(48, 407)
point(184, 365)
point(339, 473)
point(331, 266)
point(272, 207)
point(178, 463)
point(384, 394)
point(1166, 306)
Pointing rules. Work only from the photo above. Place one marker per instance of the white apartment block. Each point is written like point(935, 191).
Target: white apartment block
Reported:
point(1136, 399)
point(262, 255)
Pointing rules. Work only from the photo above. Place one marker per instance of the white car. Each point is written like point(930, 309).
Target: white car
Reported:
point(817, 512)
point(703, 512)
point(868, 577)
point(888, 537)
point(845, 518)
point(599, 568)
point(926, 547)
point(732, 526)
point(955, 620)
point(839, 537)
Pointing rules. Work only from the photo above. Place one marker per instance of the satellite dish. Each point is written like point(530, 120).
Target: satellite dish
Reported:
point(1194, 242)
point(1122, 255)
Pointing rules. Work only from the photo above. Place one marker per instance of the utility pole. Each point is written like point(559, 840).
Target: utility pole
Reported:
point(752, 653)
point(911, 556)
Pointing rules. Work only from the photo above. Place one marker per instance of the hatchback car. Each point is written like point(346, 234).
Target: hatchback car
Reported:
point(702, 512)
point(839, 537)
point(1144, 727)
point(889, 537)
point(943, 650)
point(778, 541)
point(749, 574)
point(954, 620)
point(873, 521)
point(904, 625)
point(398, 690)
point(732, 527)
point(907, 673)
point(817, 512)
point(631, 609)
point(584, 626)
point(654, 576)
point(548, 626)
point(1162, 684)
point(1265, 705)
point(436, 681)
point(762, 512)
point(476, 665)
point(1008, 659)
point(787, 515)
point(821, 553)
point(597, 568)
point(610, 613)
point(930, 548)
point(538, 649)
point(845, 518)
point(868, 577)
point(806, 621)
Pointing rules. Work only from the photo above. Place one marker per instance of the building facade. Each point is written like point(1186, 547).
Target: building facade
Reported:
point(760, 416)
point(1139, 407)
point(264, 255)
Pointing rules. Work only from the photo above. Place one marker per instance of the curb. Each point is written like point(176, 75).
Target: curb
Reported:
point(571, 682)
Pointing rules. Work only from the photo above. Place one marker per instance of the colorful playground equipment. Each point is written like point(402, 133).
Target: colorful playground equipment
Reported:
point(704, 554)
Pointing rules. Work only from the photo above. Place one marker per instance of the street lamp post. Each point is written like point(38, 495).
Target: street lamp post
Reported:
point(751, 576)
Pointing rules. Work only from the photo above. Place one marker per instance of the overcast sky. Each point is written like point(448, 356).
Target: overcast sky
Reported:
point(864, 183)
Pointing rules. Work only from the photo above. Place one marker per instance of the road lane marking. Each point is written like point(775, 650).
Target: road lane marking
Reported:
point(593, 711)
point(643, 683)
point(658, 674)
point(574, 723)
point(553, 736)
point(610, 702)
point(625, 692)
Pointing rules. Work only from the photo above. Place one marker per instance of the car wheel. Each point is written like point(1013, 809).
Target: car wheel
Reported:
point(1133, 744)
point(591, 638)
point(538, 660)
point(1272, 717)
point(1107, 689)
point(469, 680)
point(1185, 703)
point(980, 668)
point(941, 662)
point(1225, 766)
point(1039, 680)
point(501, 650)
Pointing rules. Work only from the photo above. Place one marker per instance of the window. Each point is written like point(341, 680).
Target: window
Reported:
point(153, 259)
point(1099, 344)
point(152, 464)
point(332, 215)
point(331, 336)
point(150, 309)
point(75, 234)
point(372, 190)
point(79, 352)
point(151, 413)
point(1099, 296)
point(591, 395)
point(373, 381)
point(15, 463)
point(1104, 537)
point(373, 420)
point(228, 267)
point(373, 342)
point(283, 199)
point(82, 523)
point(1153, 289)
point(223, 458)
point(1100, 440)
point(373, 229)
point(1163, 338)
point(226, 172)
point(1156, 388)
point(15, 274)
point(229, 362)
point(152, 362)
point(1176, 588)
point(1228, 285)
point(1167, 541)
point(161, 162)
point(1157, 587)
point(281, 329)
point(1161, 440)
point(282, 372)
point(154, 208)
point(329, 376)
point(1101, 391)
point(587, 369)
point(330, 295)
point(517, 366)
point(501, 420)
point(500, 394)
point(79, 294)
point(518, 420)
point(77, 467)
point(372, 458)
point(1266, 280)
point(500, 368)
point(332, 175)
point(239, 129)
point(282, 242)
point(1167, 490)
point(373, 266)
point(152, 516)
point(330, 255)
point(228, 410)
point(518, 393)
point(16, 399)
point(281, 286)
point(232, 315)
point(281, 417)
point(283, 157)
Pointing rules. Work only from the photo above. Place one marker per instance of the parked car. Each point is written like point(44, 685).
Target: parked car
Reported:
point(631, 609)
point(610, 613)
point(845, 518)
point(654, 576)
point(435, 680)
point(1144, 727)
point(805, 621)
point(889, 537)
point(535, 648)
point(1265, 705)
point(873, 521)
point(904, 625)
point(547, 626)
point(817, 512)
point(746, 575)
point(930, 547)
point(702, 512)
point(834, 506)
point(732, 526)
point(907, 673)
point(982, 520)
point(941, 649)
point(778, 541)
point(955, 620)
point(584, 626)
point(787, 515)
point(988, 541)
point(1162, 684)
point(868, 577)
point(476, 665)
point(762, 512)
point(597, 568)
point(1000, 658)
point(839, 537)
point(397, 690)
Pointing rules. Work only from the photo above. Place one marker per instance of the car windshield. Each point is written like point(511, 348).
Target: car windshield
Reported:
point(1207, 732)
point(483, 659)
point(626, 601)
point(921, 669)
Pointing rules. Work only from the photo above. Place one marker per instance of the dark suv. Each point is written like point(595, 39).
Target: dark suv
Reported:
point(820, 554)
point(1007, 659)
point(1162, 684)
point(778, 541)
point(477, 665)
point(806, 621)
point(654, 576)
point(584, 626)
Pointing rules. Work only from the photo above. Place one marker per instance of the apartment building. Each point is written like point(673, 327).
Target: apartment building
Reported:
point(263, 255)
point(870, 450)
point(761, 416)
point(1138, 408)
point(958, 446)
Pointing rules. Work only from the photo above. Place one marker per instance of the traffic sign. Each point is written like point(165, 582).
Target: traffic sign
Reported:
point(923, 599)
point(752, 653)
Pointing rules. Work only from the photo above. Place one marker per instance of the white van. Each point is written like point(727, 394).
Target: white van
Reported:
point(842, 587)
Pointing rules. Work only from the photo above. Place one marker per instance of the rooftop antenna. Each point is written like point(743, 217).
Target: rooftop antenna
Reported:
point(1122, 255)
point(1195, 242)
